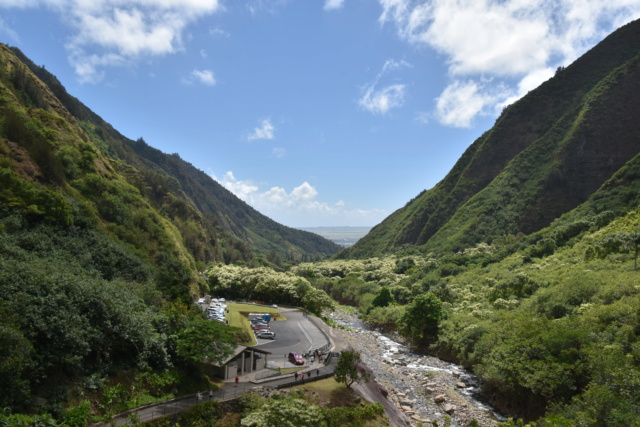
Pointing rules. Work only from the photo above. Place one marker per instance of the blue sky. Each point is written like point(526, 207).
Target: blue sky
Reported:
point(317, 113)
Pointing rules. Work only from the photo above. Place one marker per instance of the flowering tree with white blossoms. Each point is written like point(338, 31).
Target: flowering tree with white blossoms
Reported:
point(266, 285)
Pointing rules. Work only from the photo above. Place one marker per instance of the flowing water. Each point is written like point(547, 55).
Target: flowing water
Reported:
point(396, 354)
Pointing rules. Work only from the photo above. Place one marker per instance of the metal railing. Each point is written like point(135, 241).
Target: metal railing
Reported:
point(325, 347)
point(304, 381)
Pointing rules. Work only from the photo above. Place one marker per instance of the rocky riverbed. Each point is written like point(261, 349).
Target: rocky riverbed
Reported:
point(424, 388)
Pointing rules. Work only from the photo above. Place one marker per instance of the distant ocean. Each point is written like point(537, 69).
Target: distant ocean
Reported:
point(344, 236)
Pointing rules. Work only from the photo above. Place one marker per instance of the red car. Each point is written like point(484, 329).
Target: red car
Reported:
point(296, 359)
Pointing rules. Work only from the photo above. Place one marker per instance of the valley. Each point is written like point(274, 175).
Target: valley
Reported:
point(515, 277)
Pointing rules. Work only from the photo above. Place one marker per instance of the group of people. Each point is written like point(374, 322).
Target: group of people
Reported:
point(200, 396)
point(313, 356)
point(302, 374)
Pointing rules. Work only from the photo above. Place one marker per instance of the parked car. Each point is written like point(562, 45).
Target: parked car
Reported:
point(296, 358)
point(261, 328)
point(266, 335)
point(201, 300)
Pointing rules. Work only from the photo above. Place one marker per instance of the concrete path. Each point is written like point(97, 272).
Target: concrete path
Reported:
point(229, 391)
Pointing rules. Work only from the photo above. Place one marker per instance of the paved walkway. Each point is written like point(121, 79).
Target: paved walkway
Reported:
point(228, 392)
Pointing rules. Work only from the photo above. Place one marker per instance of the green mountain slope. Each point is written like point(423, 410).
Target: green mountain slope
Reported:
point(54, 143)
point(546, 154)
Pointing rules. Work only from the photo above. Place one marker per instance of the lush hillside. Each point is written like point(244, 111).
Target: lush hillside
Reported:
point(546, 154)
point(57, 131)
point(102, 244)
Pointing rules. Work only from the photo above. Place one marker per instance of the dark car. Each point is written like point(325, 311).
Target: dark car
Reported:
point(296, 359)
point(261, 328)
point(258, 322)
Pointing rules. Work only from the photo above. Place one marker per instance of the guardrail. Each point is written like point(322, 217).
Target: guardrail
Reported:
point(304, 381)
point(325, 347)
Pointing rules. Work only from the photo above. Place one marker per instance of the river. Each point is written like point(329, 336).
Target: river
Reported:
point(424, 387)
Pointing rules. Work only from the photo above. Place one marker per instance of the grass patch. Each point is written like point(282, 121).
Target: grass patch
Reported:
point(357, 410)
point(238, 317)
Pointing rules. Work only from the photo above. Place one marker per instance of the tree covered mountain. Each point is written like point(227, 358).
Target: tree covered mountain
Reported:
point(63, 164)
point(102, 243)
point(546, 155)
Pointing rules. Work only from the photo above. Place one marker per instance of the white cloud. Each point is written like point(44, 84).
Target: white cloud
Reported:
point(507, 41)
point(268, 6)
point(333, 4)
point(219, 32)
point(300, 206)
point(242, 189)
point(112, 33)
point(379, 100)
point(265, 131)
point(278, 152)
point(205, 77)
point(461, 101)
point(6, 29)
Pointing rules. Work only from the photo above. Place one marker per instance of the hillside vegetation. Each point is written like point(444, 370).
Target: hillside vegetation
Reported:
point(521, 264)
point(550, 323)
point(62, 164)
point(546, 154)
point(103, 241)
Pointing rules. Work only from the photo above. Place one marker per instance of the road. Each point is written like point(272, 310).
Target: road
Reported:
point(297, 334)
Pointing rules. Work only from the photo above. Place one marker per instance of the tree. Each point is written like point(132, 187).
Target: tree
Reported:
point(288, 412)
point(422, 317)
point(383, 299)
point(347, 369)
point(206, 341)
point(634, 242)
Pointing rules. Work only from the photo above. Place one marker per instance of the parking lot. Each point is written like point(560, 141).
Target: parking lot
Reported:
point(295, 334)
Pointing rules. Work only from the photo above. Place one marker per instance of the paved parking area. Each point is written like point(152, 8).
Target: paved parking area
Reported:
point(297, 333)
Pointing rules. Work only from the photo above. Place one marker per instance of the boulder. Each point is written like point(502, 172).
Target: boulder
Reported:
point(449, 408)
point(440, 398)
point(461, 385)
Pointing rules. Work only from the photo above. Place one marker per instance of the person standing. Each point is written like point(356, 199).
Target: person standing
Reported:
point(210, 394)
point(296, 376)
point(237, 379)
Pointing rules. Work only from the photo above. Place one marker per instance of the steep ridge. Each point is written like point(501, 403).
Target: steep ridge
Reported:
point(63, 164)
point(546, 154)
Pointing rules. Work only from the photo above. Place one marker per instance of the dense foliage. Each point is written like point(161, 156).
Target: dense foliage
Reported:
point(521, 264)
point(550, 322)
point(266, 285)
point(294, 408)
point(77, 309)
